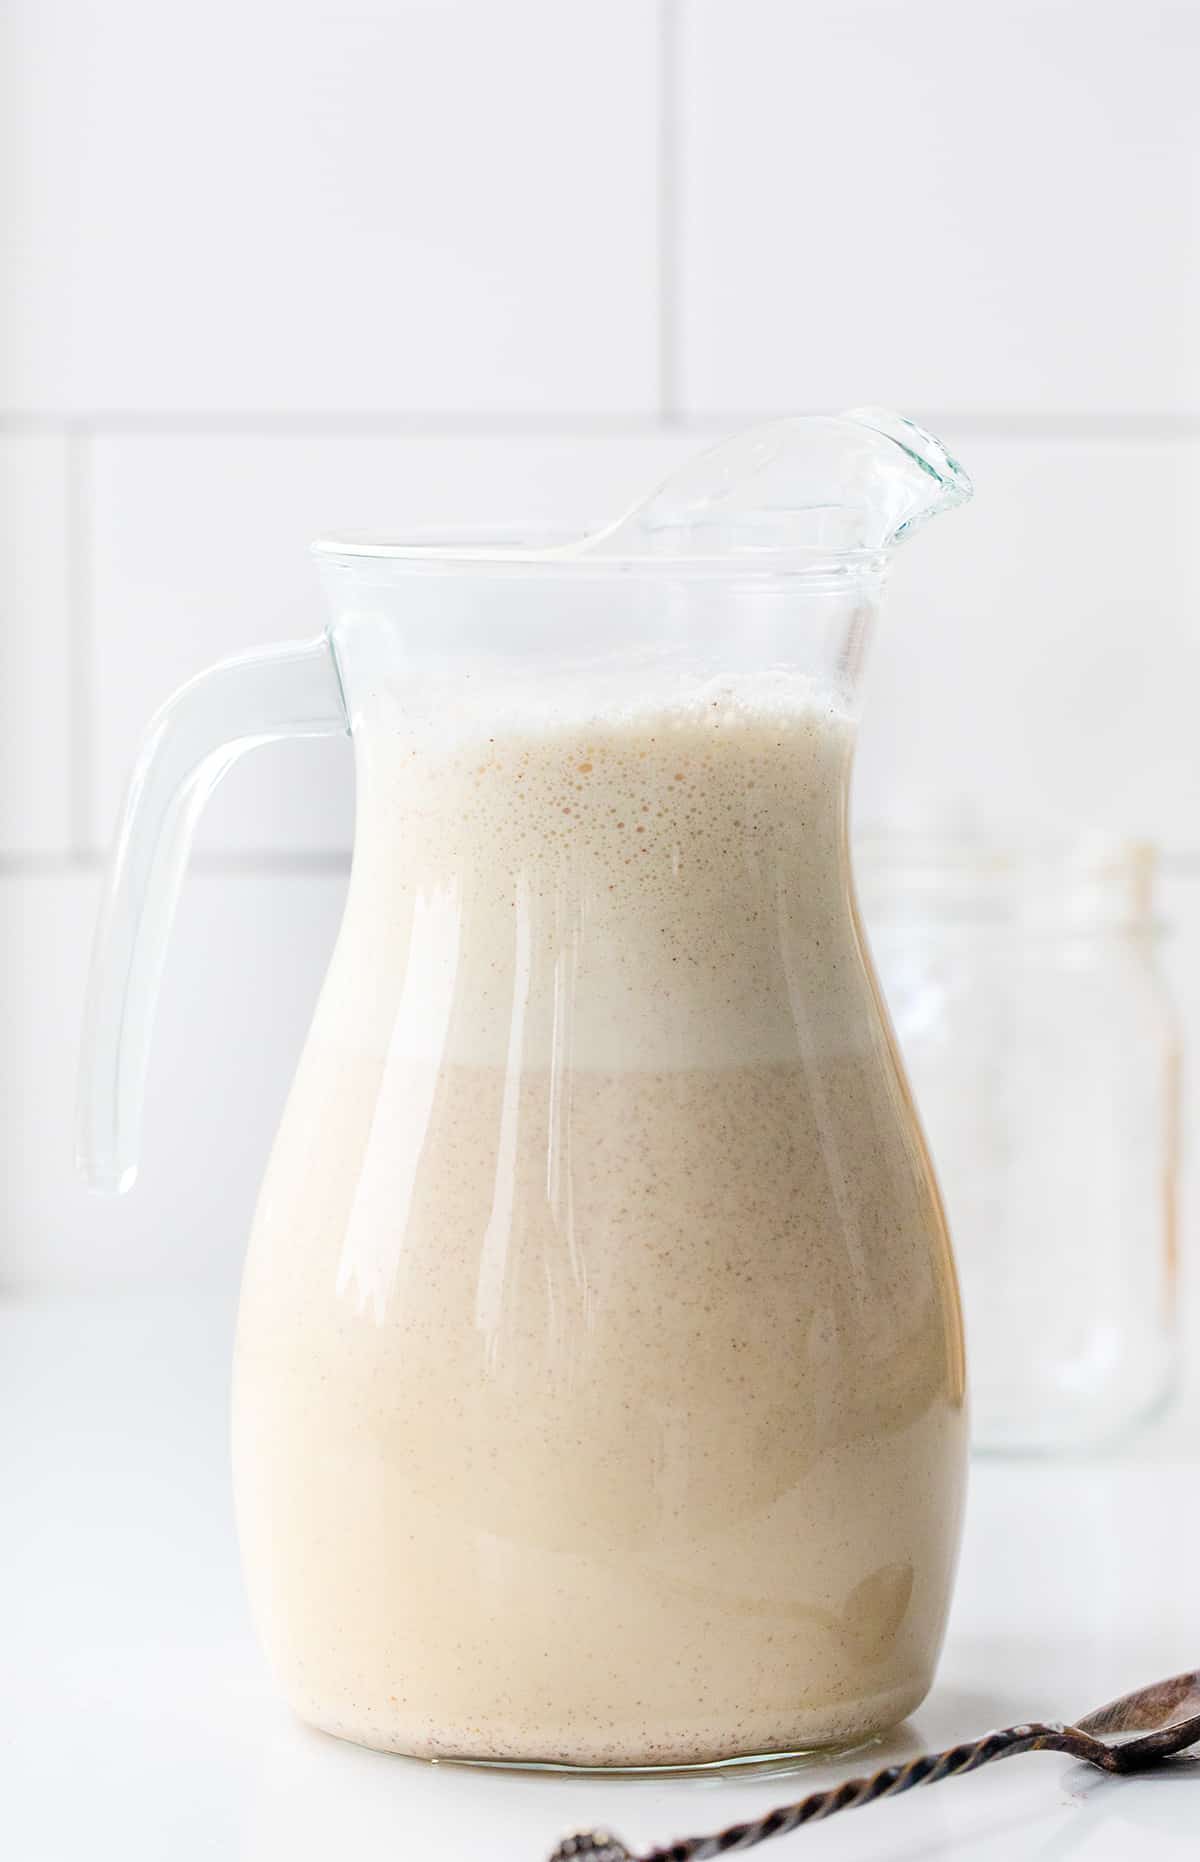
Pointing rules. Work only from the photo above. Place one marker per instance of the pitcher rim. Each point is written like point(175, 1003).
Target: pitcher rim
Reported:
point(522, 548)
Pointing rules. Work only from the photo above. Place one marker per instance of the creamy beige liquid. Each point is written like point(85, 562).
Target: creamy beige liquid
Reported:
point(599, 1378)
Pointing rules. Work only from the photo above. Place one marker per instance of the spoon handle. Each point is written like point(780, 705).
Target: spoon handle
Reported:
point(892, 1781)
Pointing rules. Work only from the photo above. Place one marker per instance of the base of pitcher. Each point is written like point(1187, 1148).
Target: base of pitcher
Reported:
point(815, 1736)
point(745, 1762)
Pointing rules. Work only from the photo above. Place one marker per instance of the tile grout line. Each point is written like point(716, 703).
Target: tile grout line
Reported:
point(667, 154)
point(80, 694)
point(267, 424)
point(265, 863)
point(253, 863)
point(978, 423)
point(393, 422)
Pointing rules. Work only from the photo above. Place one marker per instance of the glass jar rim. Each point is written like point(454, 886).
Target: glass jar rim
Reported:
point(1064, 882)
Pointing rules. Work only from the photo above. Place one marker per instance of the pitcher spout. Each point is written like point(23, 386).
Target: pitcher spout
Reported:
point(790, 490)
point(913, 477)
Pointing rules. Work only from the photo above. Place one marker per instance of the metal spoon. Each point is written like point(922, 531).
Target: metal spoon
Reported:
point(1129, 1735)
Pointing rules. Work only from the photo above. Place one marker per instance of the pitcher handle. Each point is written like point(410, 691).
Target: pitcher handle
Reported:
point(285, 691)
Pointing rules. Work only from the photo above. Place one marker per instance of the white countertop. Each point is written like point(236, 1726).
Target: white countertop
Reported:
point(138, 1719)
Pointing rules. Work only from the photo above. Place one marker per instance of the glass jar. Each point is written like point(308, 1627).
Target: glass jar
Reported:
point(1042, 1047)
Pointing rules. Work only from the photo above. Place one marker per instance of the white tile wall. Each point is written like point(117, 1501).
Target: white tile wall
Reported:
point(35, 680)
point(941, 206)
point(388, 204)
point(1039, 658)
point(270, 271)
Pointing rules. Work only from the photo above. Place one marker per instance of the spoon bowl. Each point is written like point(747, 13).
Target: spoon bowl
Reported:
point(1153, 1723)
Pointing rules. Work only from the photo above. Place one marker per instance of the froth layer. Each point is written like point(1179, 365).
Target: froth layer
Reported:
point(665, 888)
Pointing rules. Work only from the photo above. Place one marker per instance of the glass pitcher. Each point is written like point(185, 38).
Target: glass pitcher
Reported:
point(599, 1377)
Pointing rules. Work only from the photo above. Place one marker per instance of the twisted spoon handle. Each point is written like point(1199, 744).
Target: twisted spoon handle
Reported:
point(599, 1846)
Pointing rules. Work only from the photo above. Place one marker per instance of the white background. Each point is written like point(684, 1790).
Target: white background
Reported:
point(268, 270)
